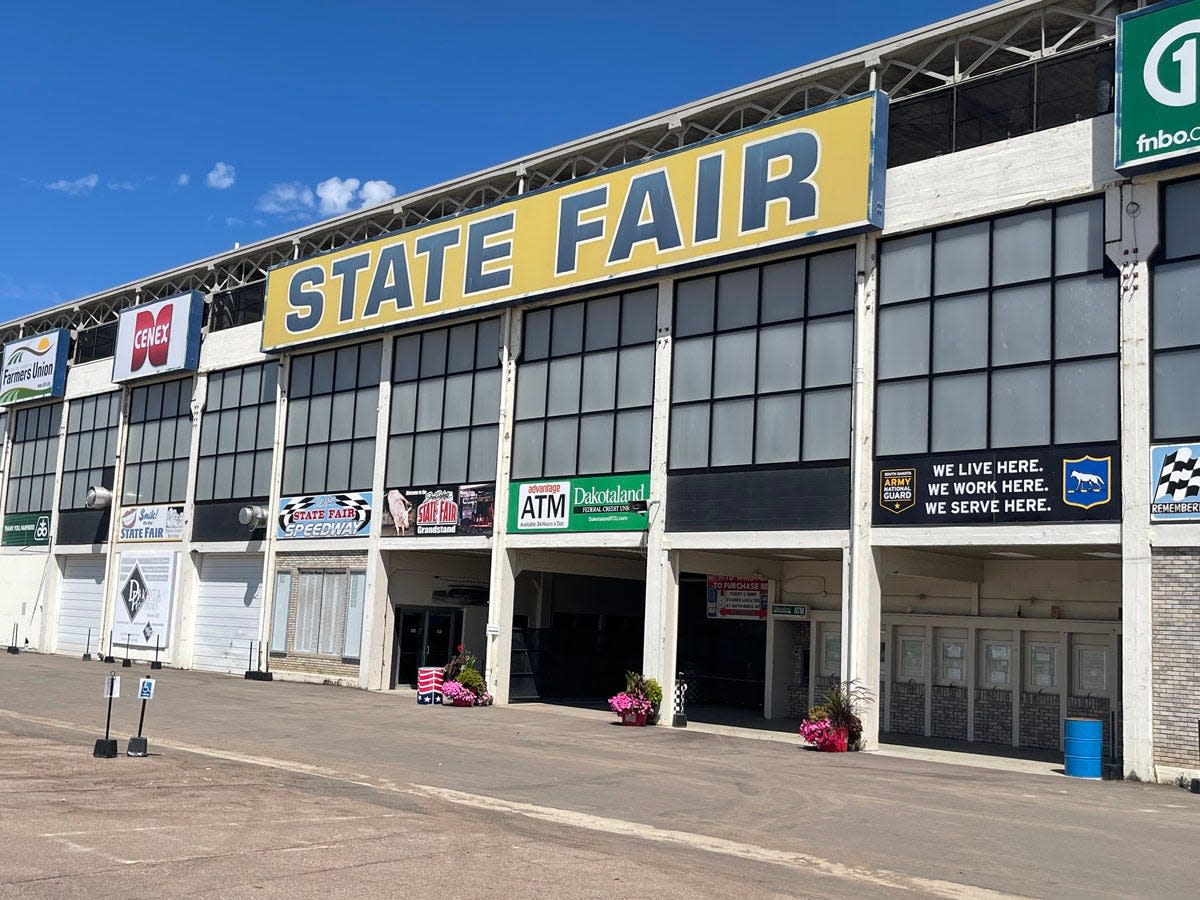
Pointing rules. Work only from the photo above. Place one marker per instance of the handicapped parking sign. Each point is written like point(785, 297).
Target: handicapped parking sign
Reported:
point(146, 689)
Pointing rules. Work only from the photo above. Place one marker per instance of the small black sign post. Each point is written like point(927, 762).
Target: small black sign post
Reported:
point(126, 663)
point(106, 747)
point(109, 659)
point(13, 648)
point(253, 673)
point(137, 745)
point(156, 664)
point(87, 650)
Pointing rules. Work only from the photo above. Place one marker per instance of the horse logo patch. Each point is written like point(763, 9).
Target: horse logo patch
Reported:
point(1086, 481)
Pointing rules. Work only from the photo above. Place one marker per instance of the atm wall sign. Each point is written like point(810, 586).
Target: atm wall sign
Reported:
point(1158, 86)
point(606, 503)
point(811, 175)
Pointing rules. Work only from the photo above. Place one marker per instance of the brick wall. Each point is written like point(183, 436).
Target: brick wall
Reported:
point(797, 689)
point(333, 668)
point(1040, 715)
point(1094, 708)
point(993, 717)
point(907, 704)
point(1175, 611)
point(949, 712)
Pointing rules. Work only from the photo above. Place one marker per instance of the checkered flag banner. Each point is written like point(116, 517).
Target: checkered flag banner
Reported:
point(1179, 478)
point(293, 506)
point(360, 505)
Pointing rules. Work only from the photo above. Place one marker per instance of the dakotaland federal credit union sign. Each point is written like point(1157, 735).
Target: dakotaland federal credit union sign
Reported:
point(815, 174)
point(1158, 86)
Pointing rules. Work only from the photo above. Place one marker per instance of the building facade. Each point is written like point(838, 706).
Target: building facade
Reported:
point(877, 370)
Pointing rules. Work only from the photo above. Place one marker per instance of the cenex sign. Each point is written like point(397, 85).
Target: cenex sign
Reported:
point(1158, 86)
point(157, 338)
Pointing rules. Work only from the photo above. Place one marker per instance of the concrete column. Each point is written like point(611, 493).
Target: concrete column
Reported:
point(187, 565)
point(1131, 235)
point(504, 571)
point(268, 607)
point(861, 582)
point(111, 561)
point(662, 583)
point(43, 636)
point(375, 655)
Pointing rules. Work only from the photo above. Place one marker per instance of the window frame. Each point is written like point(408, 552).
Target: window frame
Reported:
point(146, 458)
point(985, 658)
point(396, 434)
point(299, 402)
point(67, 499)
point(38, 442)
point(1031, 685)
point(295, 582)
point(1160, 259)
point(754, 396)
point(209, 463)
point(1052, 363)
point(579, 416)
point(943, 678)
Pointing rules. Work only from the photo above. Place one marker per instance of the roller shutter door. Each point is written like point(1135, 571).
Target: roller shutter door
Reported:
point(227, 612)
point(80, 604)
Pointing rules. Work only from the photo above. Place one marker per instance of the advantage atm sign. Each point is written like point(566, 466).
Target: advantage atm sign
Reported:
point(815, 174)
point(609, 503)
point(1158, 86)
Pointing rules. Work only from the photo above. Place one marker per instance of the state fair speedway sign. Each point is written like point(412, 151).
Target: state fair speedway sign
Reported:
point(813, 175)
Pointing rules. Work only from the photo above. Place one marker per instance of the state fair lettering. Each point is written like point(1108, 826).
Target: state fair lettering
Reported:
point(802, 178)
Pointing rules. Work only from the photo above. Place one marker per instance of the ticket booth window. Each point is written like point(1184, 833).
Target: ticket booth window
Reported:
point(1091, 669)
point(1043, 667)
point(912, 659)
point(953, 655)
point(997, 664)
point(831, 653)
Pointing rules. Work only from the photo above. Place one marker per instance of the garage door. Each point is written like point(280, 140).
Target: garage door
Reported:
point(80, 604)
point(227, 612)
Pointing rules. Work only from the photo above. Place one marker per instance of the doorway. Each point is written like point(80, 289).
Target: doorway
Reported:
point(423, 637)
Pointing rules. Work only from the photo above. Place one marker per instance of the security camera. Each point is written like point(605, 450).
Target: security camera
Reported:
point(98, 497)
point(252, 516)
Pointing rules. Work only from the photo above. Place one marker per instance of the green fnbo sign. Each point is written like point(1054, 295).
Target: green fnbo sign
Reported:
point(605, 503)
point(1158, 104)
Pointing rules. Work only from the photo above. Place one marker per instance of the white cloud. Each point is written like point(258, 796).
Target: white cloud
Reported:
point(222, 176)
point(373, 192)
point(286, 197)
point(232, 221)
point(121, 186)
point(84, 185)
point(183, 180)
point(336, 194)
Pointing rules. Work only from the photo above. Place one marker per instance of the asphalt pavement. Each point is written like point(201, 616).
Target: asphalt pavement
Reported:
point(284, 788)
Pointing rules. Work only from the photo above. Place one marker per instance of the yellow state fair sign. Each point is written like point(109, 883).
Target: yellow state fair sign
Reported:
point(812, 175)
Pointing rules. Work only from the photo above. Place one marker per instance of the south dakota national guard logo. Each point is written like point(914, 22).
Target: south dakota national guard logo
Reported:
point(898, 489)
point(1086, 481)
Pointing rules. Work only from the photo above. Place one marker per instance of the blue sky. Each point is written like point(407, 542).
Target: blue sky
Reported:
point(135, 137)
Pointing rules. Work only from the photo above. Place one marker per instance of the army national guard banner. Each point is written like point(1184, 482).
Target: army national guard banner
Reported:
point(1052, 484)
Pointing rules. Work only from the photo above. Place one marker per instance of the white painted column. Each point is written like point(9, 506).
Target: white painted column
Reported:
point(661, 624)
point(268, 579)
point(187, 587)
point(504, 569)
point(111, 562)
point(375, 654)
point(1131, 233)
point(861, 587)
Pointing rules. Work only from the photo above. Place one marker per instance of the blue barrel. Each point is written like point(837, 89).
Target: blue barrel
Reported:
point(1084, 740)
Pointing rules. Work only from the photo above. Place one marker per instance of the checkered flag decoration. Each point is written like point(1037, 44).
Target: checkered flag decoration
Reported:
point(360, 505)
point(293, 506)
point(1179, 478)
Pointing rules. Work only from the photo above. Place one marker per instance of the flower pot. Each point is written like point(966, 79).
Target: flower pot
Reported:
point(633, 718)
point(459, 702)
point(836, 743)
